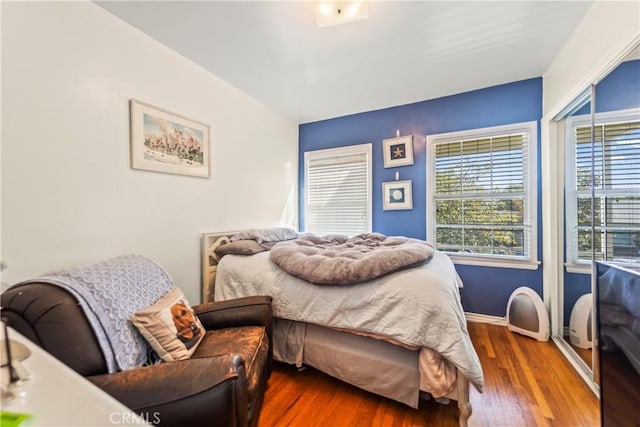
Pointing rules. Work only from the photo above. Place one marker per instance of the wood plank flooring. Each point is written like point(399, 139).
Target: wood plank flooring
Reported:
point(584, 354)
point(527, 383)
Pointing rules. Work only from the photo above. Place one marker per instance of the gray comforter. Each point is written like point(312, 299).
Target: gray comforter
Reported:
point(417, 306)
point(340, 260)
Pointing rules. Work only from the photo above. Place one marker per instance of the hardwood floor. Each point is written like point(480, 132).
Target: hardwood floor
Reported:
point(584, 354)
point(527, 383)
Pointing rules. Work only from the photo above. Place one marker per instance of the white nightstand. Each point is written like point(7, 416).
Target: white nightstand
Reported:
point(58, 396)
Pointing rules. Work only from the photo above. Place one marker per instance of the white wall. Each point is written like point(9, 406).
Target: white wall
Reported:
point(1, 258)
point(69, 196)
point(605, 30)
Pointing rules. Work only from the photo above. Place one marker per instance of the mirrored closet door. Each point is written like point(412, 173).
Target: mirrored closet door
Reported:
point(600, 137)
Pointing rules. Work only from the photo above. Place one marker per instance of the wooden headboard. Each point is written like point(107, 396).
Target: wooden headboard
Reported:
point(210, 241)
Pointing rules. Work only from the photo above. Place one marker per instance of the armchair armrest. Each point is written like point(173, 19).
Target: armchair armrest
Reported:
point(248, 311)
point(186, 392)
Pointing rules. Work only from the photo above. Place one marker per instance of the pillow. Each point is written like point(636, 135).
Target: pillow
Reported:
point(240, 247)
point(261, 235)
point(170, 327)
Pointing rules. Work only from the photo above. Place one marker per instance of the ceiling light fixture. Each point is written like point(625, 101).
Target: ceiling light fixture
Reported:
point(329, 13)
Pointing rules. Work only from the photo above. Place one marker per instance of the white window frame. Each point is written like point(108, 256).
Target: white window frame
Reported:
point(344, 151)
point(489, 260)
point(572, 264)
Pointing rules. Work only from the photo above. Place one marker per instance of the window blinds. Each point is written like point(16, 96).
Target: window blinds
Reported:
point(337, 191)
point(616, 181)
point(482, 196)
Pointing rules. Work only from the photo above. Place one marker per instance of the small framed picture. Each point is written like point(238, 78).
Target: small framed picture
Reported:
point(163, 141)
point(396, 195)
point(398, 151)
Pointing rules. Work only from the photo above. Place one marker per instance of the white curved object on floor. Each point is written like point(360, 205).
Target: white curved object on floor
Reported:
point(580, 332)
point(527, 315)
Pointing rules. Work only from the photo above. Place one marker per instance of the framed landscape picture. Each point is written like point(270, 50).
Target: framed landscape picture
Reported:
point(398, 151)
point(396, 195)
point(163, 141)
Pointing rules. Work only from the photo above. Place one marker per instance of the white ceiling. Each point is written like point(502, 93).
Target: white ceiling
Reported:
point(406, 51)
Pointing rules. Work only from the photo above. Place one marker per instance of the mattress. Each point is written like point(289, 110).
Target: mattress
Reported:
point(418, 307)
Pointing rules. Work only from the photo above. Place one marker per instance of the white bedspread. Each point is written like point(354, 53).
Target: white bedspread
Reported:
point(418, 307)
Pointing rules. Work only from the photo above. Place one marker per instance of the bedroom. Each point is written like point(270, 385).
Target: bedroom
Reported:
point(68, 190)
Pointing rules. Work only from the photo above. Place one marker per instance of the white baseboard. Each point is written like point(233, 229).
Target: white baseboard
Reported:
point(485, 318)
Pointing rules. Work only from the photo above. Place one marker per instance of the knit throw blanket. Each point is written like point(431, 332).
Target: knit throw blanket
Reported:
point(109, 292)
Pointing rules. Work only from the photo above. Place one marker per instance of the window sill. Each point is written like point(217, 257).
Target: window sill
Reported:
point(578, 268)
point(489, 262)
point(586, 268)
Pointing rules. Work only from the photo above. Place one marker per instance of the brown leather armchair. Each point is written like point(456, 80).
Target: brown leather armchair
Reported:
point(223, 384)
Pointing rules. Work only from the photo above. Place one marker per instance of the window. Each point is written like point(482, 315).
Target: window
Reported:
point(616, 182)
point(482, 195)
point(338, 190)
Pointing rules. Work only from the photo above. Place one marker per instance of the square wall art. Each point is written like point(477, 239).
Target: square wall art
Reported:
point(396, 195)
point(398, 151)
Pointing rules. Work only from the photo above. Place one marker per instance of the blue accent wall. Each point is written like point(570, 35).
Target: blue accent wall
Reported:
point(486, 289)
point(619, 90)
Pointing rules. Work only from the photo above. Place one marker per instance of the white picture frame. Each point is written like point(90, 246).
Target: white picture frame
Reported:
point(397, 195)
point(163, 141)
point(398, 151)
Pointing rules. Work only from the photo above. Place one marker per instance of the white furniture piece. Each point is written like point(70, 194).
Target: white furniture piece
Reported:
point(58, 396)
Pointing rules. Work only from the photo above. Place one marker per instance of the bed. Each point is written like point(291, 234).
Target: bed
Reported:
point(401, 335)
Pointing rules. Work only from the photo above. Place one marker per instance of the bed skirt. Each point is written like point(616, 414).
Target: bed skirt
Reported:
point(374, 365)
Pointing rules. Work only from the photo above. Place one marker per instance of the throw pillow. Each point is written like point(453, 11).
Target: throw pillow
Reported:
point(275, 234)
point(170, 326)
point(242, 247)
